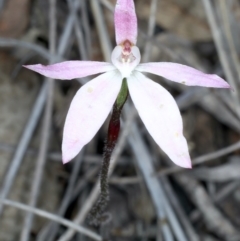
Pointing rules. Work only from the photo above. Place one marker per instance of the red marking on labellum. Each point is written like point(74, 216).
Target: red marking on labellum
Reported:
point(127, 47)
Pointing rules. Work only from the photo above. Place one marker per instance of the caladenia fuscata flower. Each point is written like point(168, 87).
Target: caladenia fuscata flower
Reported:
point(94, 101)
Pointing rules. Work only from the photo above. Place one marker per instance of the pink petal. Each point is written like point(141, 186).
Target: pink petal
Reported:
point(71, 69)
point(183, 74)
point(125, 22)
point(88, 110)
point(160, 114)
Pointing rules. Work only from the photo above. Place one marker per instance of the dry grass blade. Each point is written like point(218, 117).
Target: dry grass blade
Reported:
point(23, 144)
point(192, 235)
point(47, 122)
point(218, 39)
point(226, 191)
point(202, 159)
point(102, 31)
point(7, 42)
point(214, 220)
point(68, 27)
point(52, 217)
point(50, 231)
point(225, 9)
point(163, 208)
point(221, 173)
point(151, 27)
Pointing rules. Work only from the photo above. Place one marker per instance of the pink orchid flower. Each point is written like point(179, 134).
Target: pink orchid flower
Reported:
point(156, 107)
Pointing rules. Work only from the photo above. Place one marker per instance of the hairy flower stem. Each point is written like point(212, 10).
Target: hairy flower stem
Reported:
point(96, 215)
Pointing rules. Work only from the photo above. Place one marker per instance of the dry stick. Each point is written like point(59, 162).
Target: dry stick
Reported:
point(84, 181)
point(69, 25)
point(52, 217)
point(213, 218)
point(222, 194)
point(86, 28)
point(8, 42)
point(176, 169)
point(226, 191)
point(201, 204)
point(221, 173)
point(105, 42)
point(51, 229)
point(151, 27)
point(232, 6)
point(34, 192)
point(228, 40)
point(108, 5)
point(57, 156)
point(211, 105)
point(162, 205)
point(80, 40)
point(23, 144)
point(226, 23)
point(202, 159)
point(73, 195)
point(179, 210)
point(95, 191)
point(224, 5)
point(189, 97)
point(221, 51)
point(45, 131)
point(22, 62)
point(54, 156)
point(74, 22)
point(125, 180)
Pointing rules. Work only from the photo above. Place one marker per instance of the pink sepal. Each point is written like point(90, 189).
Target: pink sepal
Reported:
point(125, 22)
point(160, 114)
point(88, 110)
point(71, 69)
point(183, 74)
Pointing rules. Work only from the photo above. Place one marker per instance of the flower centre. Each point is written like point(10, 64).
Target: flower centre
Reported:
point(125, 58)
